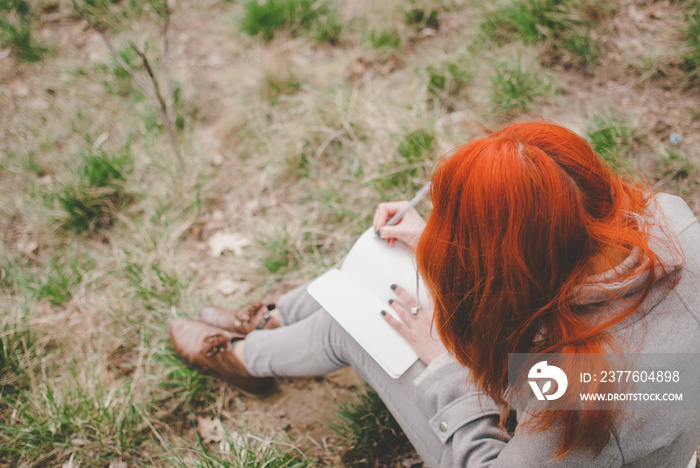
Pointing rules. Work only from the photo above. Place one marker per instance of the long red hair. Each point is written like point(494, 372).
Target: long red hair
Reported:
point(518, 216)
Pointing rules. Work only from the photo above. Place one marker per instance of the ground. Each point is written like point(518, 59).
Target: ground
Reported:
point(287, 145)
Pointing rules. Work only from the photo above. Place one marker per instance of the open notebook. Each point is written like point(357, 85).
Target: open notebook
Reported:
point(356, 294)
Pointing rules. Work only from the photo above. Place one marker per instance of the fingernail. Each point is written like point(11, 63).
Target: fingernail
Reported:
point(383, 312)
point(376, 233)
point(391, 301)
point(393, 286)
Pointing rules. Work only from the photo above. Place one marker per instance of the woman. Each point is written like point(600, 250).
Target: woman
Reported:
point(532, 246)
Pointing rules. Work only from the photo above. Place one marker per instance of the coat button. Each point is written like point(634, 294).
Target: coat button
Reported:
point(443, 426)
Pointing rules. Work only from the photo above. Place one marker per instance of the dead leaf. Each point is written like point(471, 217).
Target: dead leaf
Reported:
point(100, 140)
point(69, 463)
point(223, 241)
point(20, 88)
point(218, 216)
point(216, 160)
point(224, 446)
point(27, 247)
point(118, 464)
point(228, 286)
point(45, 180)
point(210, 429)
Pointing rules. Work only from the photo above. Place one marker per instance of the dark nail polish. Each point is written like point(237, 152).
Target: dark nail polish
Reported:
point(393, 286)
point(376, 233)
point(391, 301)
point(383, 312)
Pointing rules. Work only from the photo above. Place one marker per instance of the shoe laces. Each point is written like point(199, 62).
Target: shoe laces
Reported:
point(216, 344)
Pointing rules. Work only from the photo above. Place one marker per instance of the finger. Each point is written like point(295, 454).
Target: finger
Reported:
point(385, 211)
point(404, 295)
point(379, 214)
point(390, 232)
point(395, 324)
point(402, 312)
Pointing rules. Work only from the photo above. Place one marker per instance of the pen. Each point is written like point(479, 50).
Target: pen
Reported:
point(414, 201)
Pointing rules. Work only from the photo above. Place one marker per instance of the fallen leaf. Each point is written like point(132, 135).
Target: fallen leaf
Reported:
point(216, 160)
point(27, 247)
point(20, 88)
point(228, 286)
point(222, 241)
point(218, 216)
point(224, 446)
point(100, 140)
point(210, 429)
point(45, 180)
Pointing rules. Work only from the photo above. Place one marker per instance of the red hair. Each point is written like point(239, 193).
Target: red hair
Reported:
point(518, 217)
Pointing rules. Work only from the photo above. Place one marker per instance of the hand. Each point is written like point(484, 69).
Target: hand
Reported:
point(416, 328)
point(408, 230)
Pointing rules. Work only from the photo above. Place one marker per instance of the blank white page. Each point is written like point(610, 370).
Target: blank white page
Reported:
point(374, 264)
point(358, 312)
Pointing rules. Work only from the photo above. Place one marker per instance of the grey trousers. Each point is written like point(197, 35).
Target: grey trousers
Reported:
point(312, 343)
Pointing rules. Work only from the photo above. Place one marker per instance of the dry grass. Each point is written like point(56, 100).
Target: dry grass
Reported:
point(289, 143)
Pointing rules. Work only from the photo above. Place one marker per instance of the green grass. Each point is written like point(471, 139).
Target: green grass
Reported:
point(409, 169)
point(91, 201)
point(315, 18)
point(61, 277)
point(279, 254)
point(278, 83)
point(529, 21)
point(447, 80)
point(516, 86)
point(385, 40)
point(245, 451)
point(421, 18)
point(17, 351)
point(675, 166)
point(154, 286)
point(116, 16)
point(53, 420)
point(368, 431)
point(691, 59)
point(564, 25)
point(16, 31)
point(188, 386)
point(612, 138)
point(118, 82)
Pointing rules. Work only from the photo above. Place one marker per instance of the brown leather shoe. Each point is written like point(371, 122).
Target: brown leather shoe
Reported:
point(239, 321)
point(209, 348)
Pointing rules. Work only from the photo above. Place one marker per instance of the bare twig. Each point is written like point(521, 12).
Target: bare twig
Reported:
point(154, 94)
point(168, 123)
point(166, 62)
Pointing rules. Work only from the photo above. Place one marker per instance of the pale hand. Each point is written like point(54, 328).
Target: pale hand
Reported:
point(417, 329)
point(409, 228)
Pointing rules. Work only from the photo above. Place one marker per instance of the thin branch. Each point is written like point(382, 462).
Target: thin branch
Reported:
point(162, 107)
point(151, 74)
point(137, 79)
point(169, 105)
point(155, 96)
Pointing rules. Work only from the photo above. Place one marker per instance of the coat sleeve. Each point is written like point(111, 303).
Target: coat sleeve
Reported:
point(466, 422)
